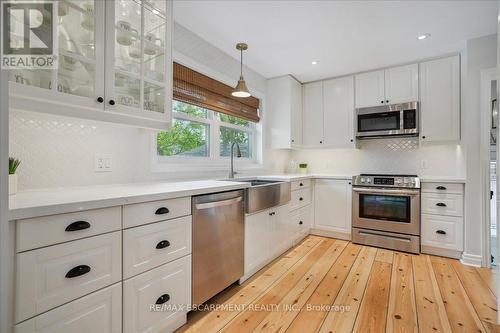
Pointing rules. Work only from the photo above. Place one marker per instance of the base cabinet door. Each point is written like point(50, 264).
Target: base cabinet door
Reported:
point(156, 301)
point(282, 231)
point(332, 205)
point(257, 234)
point(97, 312)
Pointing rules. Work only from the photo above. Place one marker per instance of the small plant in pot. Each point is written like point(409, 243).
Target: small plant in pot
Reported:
point(303, 167)
point(13, 165)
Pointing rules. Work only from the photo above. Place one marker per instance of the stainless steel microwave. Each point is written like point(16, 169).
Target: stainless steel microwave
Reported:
point(388, 120)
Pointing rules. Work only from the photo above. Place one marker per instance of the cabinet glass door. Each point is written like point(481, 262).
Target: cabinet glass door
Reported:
point(140, 72)
point(80, 54)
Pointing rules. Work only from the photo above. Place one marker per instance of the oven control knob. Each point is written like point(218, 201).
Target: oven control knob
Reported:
point(363, 180)
point(406, 180)
point(368, 180)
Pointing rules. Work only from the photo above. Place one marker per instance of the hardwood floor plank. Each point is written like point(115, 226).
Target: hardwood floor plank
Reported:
point(311, 315)
point(248, 320)
point(483, 300)
point(491, 328)
point(461, 314)
point(289, 307)
point(431, 313)
point(384, 255)
point(402, 314)
point(489, 276)
point(351, 294)
point(213, 321)
point(372, 314)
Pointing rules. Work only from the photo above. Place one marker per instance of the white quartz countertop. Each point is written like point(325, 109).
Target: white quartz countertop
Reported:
point(444, 179)
point(63, 200)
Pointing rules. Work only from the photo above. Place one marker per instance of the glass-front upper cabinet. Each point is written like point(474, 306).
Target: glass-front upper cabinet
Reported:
point(138, 70)
point(80, 56)
point(114, 56)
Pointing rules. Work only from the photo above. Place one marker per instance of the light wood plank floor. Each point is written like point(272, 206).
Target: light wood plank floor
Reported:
point(328, 285)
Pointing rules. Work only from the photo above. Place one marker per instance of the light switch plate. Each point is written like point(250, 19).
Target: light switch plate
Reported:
point(103, 163)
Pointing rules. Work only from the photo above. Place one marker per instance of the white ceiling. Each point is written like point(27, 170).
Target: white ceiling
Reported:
point(344, 36)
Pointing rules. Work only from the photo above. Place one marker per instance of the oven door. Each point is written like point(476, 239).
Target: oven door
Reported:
point(393, 210)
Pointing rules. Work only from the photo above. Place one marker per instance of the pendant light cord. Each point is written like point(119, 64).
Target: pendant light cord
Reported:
point(241, 62)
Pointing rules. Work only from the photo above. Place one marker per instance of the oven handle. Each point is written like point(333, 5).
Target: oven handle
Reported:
point(403, 239)
point(385, 191)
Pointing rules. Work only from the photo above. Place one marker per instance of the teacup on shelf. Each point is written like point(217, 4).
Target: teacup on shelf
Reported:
point(125, 34)
point(88, 16)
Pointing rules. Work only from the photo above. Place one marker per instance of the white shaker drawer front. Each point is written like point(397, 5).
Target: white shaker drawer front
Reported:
point(299, 184)
point(155, 244)
point(49, 230)
point(442, 204)
point(442, 231)
point(100, 312)
point(445, 188)
point(300, 198)
point(156, 301)
point(154, 211)
point(54, 275)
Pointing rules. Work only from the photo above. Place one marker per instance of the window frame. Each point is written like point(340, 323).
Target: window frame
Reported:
point(214, 159)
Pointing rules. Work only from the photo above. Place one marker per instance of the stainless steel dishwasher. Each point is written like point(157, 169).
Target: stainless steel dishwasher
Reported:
point(218, 243)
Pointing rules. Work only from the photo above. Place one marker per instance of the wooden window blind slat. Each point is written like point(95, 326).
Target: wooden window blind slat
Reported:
point(198, 89)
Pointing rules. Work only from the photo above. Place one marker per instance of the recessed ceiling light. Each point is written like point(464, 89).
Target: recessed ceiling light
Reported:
point(423, 36)
point(314, 62)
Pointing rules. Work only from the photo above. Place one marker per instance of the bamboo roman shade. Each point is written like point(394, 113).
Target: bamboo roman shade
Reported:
point(198, 89)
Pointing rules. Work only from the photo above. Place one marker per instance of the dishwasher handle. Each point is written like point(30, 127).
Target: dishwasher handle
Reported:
point(216, 204)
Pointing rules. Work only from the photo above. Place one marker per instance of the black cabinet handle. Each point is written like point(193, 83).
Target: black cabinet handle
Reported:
point(352, 140)
point(163, 299)
point(382, 102)
point(441, 204)
point(272, 213)
point(162, 210)
point(300, 199)
point(77, 271)
point(100, 99)
point(293, 140)
point(423, 136)
point(441, 188)
point(387, 101)
point(441, 232)
point(163, 244)
point(349, 183)
point(321, 142)
point(111, 102)
point(301, 222)
point(301, 184)
point(78, 225)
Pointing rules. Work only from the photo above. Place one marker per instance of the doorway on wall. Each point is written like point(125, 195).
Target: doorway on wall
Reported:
point(489, 152)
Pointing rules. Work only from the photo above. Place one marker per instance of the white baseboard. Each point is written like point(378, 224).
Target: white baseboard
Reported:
point(471, 260)
point(436, 251)
point(330, 234)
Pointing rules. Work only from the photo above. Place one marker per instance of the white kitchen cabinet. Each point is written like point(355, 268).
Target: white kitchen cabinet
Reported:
point(312, 114)
point(338, 106)
point(284, 106)
point(332, 205)
point(389, 86)
point(401, 84)
point(440, 100)
point(115, 65)
point(370, 90)
point(267, 235)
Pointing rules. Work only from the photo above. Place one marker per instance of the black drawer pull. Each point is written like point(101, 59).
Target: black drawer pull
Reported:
point(300, 199)
point(301, 184)
point(441, 188)
point(77, 271)
point(78, 225)
point(272, 213)
point(301, 222)
point(163, 244)
point(163, 299)
point(441, 232)
point(441, 204)
point(162, 210)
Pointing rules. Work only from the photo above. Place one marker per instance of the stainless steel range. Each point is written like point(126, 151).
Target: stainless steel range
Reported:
point(386, 211)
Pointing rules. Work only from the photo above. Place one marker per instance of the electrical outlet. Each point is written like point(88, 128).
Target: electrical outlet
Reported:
point(103, 163)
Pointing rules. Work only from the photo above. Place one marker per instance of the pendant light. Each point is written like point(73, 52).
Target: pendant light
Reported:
point(241, 89)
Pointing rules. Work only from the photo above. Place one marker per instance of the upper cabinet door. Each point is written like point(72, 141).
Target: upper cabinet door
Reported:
point(78, 79)
point(338, 105)
point(401, 84)
point(312, 114)
point(440, 100)
point(139, 58)
point(296, 135)
point(370, 89)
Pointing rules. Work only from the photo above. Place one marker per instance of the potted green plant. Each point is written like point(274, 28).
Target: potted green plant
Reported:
point(13, 165)
point(303, 167)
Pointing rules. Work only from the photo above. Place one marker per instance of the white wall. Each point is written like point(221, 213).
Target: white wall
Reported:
point(60, 151)
point(387, 156)
point(480, 54)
